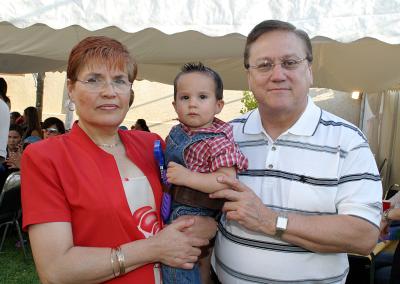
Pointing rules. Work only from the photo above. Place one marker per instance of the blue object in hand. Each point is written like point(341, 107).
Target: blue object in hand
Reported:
point(166, 197)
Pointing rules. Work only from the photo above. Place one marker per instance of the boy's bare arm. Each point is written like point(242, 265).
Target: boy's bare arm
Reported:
point(204, 182)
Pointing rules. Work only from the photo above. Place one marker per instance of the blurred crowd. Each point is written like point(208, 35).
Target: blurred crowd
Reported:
point(18, 130)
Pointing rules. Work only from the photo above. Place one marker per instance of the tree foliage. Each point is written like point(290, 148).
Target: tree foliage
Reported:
point(249, 102)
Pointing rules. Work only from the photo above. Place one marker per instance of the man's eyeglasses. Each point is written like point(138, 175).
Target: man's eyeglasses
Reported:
point(267, 65)
point(51, 130)
point(98, 84)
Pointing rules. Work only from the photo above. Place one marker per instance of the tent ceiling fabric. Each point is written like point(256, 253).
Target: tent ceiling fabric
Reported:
point(356, 43)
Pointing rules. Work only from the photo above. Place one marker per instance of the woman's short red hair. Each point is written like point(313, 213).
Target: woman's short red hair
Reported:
point(100, 50)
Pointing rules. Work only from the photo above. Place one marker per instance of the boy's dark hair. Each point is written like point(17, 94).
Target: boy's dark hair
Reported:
point(15, 115)
point(17, 128)
point(54, 121)
point(200, 68)
point(275, 25)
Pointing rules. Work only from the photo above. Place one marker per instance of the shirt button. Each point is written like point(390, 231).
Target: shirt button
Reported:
point(273, 148)
point(270, 166)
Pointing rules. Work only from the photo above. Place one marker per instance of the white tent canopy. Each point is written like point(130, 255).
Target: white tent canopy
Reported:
point(355, 42)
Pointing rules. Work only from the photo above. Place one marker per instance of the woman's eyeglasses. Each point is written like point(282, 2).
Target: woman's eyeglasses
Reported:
point(98, 84)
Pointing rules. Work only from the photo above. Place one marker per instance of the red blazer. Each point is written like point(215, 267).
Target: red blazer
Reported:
point(69, 179)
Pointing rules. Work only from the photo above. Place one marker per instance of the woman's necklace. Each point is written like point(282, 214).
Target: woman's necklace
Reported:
point(108, 145)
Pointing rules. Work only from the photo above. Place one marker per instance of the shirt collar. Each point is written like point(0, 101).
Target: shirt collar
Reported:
point(308, 121)
point(218, 126)
point(305, 125)
point(253, 123)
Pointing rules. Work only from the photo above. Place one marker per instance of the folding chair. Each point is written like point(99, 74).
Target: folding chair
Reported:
point(10, 207)
point(362, 267)
point(393, 189)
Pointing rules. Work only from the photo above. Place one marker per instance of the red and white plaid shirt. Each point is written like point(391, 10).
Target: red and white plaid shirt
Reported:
point(210, 154)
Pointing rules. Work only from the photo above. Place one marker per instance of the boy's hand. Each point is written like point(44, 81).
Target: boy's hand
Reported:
point(177, 174)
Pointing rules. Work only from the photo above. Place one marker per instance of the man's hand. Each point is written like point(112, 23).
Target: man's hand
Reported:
point(14, 160)
point(384, 230)
point(245, 207)
point(205, 227)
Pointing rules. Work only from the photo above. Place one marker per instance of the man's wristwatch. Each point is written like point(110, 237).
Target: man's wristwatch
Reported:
point(386, 215)
point(281, 225)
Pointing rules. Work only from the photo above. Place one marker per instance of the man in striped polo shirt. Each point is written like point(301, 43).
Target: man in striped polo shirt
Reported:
point(312, 191)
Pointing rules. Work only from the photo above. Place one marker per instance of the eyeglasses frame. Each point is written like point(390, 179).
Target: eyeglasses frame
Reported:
point(273, 64)
point(106, 83)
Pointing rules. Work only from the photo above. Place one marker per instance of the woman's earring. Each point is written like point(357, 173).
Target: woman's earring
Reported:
point(71, 106)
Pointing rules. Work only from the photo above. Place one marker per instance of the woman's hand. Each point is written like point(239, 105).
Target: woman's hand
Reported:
point(175, 247)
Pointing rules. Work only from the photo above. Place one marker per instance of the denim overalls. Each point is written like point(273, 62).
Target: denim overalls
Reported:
point(178, 140)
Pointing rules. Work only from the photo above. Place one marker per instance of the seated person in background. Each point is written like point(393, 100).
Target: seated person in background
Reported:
point(141, 125)
point(199, 149)
point(392, 214)
point(389, 215)
point(15, 149)
point(14, 152)
point(52, 126)
point(15, 117)
point(31, 123)
point(29, 140)
point(14, 146)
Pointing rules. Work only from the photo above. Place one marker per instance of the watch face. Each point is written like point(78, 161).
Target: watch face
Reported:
point(281, 223)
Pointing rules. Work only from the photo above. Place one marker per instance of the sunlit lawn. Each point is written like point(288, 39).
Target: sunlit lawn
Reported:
point(14, 269)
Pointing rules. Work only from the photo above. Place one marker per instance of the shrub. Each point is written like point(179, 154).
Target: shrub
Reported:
point(249, 102)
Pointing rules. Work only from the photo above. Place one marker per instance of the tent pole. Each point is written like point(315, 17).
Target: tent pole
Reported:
point(362, 110)
point(39, 93)
point(393, 138)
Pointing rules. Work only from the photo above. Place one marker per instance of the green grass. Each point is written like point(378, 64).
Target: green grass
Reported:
point(14, 269)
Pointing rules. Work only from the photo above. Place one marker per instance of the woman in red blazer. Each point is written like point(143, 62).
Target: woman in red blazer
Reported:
point(91, 198)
